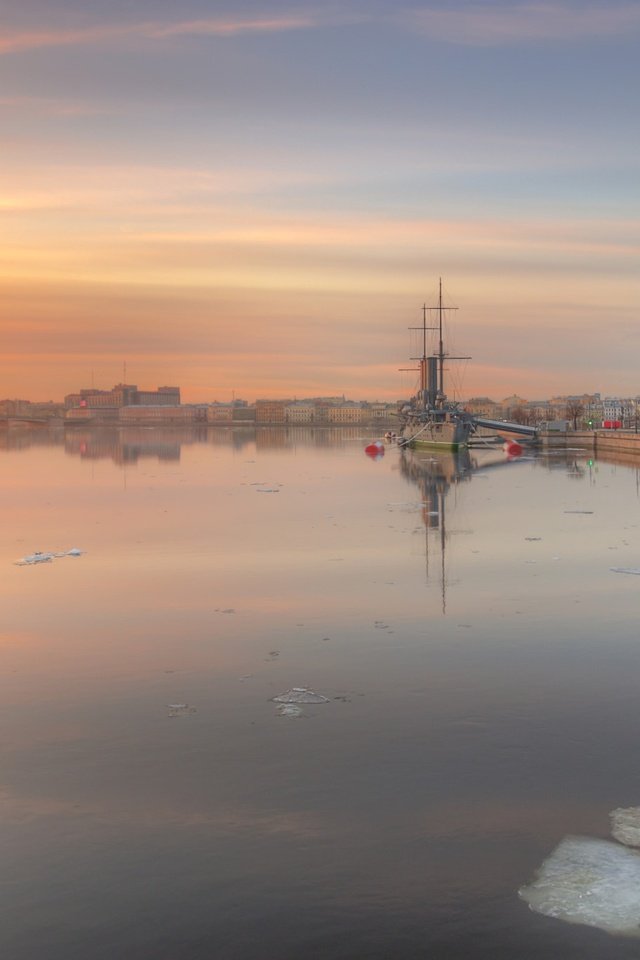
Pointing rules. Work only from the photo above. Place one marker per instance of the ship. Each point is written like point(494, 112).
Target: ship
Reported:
point(430, 419)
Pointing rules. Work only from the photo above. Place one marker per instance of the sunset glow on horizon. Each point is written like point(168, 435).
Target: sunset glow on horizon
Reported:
point(255, 200)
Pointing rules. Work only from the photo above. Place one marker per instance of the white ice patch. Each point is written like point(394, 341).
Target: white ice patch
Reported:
point(38, 557)
point(589, 881)
point(291, 710)
point(300, 695)
point(41, 556)
point(180, 709)
point(625, 825)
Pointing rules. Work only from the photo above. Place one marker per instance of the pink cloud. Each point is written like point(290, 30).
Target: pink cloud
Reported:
point(19, 42)
point(223, 28)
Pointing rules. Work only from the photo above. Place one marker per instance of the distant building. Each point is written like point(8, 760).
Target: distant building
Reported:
point(300, 412)
point(376, 410)
point(514, 401)
point(271, 411)
point(345, 413)
point(162, 413)
point(612, 408)
point(483, 407)
point(123, 395)
point(25, 408)
point(220, 413)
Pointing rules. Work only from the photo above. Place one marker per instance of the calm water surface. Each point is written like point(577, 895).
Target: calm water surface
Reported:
point(480, 659)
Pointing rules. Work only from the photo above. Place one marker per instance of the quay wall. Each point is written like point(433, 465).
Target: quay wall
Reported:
point(597, 441)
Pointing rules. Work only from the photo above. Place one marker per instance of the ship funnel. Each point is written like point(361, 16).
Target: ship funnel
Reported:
point(432, 380)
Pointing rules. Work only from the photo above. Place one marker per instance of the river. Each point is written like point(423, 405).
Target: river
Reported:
point(470, 628)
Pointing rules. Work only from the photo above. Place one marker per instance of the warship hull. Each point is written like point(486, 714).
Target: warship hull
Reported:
point(443, 433)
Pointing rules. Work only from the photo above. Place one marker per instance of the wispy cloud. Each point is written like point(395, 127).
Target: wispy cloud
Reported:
point(478, 25)
point(21, 41)
point(502, 24)
point(226, 28)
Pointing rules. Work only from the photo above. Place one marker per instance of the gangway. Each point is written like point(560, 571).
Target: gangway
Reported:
point(521, 428)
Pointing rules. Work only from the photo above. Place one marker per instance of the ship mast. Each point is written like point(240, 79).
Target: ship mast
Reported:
point(427, 387)
point(440, 344)
point(440, 355)
point(423, 358)
point(422, 361)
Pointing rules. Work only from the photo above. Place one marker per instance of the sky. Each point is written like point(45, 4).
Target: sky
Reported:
point(255, 199)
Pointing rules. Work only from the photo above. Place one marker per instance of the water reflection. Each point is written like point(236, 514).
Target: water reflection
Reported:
point(127, 444)
point(399, 818)
point(437, 474)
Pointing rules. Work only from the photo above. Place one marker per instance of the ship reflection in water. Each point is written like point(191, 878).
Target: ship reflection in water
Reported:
point(436, 474)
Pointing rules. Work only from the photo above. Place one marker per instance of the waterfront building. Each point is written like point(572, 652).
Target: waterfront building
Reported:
point(483, 407)
point(301, 412)
point(28, 409)
point(122, 395)
point(510, 403)
point(220, 413)
point(377, 410)
point(162, 413)
point(345, 413)
point(80, 414)
point(612, 408)
point(271, 411)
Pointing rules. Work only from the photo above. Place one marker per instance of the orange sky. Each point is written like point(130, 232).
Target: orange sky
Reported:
point(206, 201)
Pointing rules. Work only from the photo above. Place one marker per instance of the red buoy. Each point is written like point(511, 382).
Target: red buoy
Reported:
point(375, 449)
point(512, 449)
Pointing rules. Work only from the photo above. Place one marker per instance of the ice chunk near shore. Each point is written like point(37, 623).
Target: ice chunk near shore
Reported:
point(625, 825)
point(589, 881)
point(300, 695)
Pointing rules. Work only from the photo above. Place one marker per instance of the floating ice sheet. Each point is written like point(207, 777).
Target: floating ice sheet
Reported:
point(300, 695)
point(38, 557)
point(180, 709)
point(41, 556)
point(291, 710)
point(589, 881)
point(625, 825)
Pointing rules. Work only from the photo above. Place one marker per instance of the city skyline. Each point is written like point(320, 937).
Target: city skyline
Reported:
point(257, 198)
point(147, 395)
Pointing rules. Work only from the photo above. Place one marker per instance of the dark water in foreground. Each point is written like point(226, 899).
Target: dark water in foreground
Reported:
point(480, 659)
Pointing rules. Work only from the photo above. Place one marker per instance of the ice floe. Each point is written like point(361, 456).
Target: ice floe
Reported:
point(300, 695)
point(41, 556)
point(291, 710)
point(625, 825)
point(589, 881)
point(180, 709)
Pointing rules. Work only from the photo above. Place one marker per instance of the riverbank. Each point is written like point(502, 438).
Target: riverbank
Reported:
point(597, 441)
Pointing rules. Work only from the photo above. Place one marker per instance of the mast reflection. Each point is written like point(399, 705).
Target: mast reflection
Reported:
point(436, 474)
